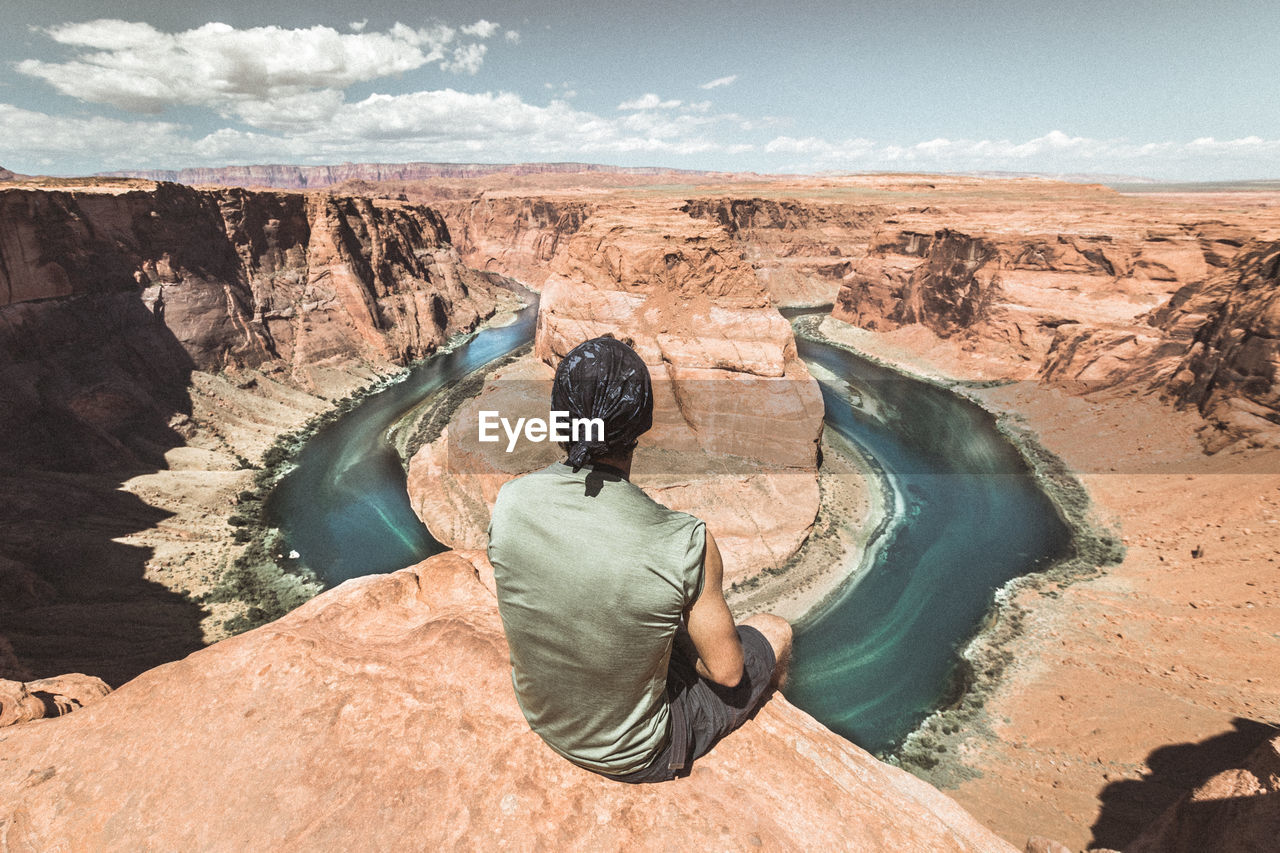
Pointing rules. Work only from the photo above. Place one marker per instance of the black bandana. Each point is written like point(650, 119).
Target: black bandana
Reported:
point(604, 378)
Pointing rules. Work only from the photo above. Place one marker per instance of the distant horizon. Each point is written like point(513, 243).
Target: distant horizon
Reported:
point(1105, 178)
point(1164, 90)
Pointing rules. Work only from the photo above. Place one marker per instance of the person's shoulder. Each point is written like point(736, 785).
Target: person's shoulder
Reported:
point(523, 486)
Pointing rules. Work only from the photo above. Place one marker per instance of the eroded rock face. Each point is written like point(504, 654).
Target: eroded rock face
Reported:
point(1231, 370)
point(736, 416)
point(383, 711)
point(514, 236)
point(240, 277)
point(111, 296)
point(1213, 346)
point(118, 301)
point(802, 250)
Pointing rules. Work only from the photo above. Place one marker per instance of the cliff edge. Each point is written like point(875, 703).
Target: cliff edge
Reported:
point(380, 715)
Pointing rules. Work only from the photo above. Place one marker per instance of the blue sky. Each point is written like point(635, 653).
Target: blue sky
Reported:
point(1172, 90)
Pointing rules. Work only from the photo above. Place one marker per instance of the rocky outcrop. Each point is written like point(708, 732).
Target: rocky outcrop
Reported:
point(1234, 810)
point(1231, 370)
point(737, 415)
point(47, 697)
point(1212, 346)
point(801, 250)
point(112, 296)
point(382, 711)
point(284, 176)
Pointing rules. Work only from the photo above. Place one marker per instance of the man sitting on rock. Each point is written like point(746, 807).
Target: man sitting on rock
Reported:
point(624, 655)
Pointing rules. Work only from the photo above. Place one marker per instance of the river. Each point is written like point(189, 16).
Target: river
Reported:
point(878, 657)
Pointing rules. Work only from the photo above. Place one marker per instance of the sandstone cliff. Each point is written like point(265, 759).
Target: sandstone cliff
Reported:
point(381, 715)
point(153, 341)
point(1211, 347)
point(514, 236)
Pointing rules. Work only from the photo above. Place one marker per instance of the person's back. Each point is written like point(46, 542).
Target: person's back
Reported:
point(593, 578)
point(624, 655)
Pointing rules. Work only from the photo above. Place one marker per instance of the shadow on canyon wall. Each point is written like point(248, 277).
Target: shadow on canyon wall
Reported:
point(93, 390)
point(1129, 805)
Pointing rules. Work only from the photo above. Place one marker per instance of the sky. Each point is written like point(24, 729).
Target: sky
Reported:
point(1170, 90)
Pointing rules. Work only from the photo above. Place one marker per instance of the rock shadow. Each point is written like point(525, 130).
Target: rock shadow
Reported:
point(93, 390)
point(1129, 805)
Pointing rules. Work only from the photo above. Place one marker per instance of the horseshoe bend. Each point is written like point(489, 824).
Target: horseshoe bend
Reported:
point(1021, 433)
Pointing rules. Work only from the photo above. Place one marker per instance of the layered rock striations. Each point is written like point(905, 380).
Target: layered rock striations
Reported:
point(381, 713)
point(512, 235)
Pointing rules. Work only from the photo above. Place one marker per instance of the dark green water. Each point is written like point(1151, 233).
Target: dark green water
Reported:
point(875, 661)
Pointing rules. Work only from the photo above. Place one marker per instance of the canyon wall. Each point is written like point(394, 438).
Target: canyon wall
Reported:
point(802, 250)
point(154, 339)
point(512, 235)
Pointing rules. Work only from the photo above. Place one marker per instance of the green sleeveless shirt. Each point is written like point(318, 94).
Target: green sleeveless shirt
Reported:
point(592, 576)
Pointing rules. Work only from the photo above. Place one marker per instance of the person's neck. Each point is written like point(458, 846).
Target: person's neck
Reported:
point(621, 461)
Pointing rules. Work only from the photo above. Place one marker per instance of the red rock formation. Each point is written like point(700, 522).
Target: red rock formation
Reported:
point(113, 297)
point(242, 277)
point(382, 711)
point(1213, 346)
point(47, 697)
point(109, 296)
point(514, 236)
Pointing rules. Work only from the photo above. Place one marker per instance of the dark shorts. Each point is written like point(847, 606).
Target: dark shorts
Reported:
point(708, 710)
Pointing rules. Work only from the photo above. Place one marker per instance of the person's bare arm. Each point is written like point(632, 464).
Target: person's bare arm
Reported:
point(711, 624)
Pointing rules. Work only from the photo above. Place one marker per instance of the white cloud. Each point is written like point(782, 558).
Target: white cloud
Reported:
point(481, 29)
point(648, 101)
point(1054, 152)
point(358, 26)
point(466, 59)
point(136, 67)
point(512, 36)
point(719, 81)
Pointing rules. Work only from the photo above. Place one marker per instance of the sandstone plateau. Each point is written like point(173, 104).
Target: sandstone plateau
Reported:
point(380, 715)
